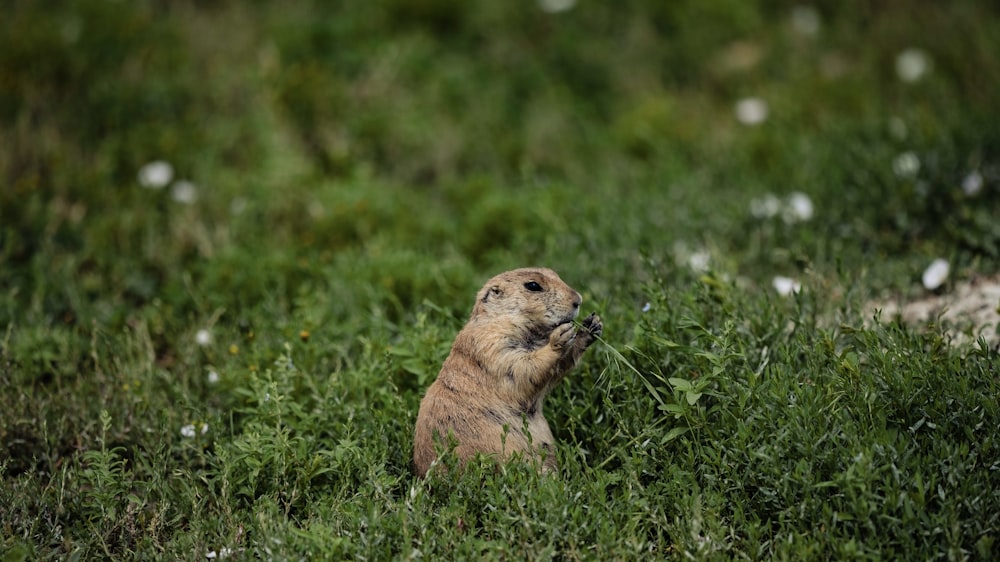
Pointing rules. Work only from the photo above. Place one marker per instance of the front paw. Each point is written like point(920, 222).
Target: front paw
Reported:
point(562, 336)
point(592, 327)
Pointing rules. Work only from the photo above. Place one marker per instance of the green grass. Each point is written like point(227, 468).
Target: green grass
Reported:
point(243, 372)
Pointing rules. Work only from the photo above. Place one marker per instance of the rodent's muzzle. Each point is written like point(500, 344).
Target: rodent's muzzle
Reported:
point(570, 315)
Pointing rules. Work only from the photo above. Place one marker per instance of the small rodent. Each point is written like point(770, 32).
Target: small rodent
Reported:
point(518, 344)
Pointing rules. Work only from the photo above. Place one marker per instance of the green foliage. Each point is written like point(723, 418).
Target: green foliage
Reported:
point(797, 424)
point(238, 370)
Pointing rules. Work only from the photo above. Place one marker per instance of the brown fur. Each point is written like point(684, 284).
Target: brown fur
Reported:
point(517, 345)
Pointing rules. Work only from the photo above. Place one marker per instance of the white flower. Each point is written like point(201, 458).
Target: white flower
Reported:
point(224, 552)
point(556, 6)
point(912, 65)
point(785, 285)
point(972, 184)
point(698, 261)
point(646, 307)
point(765, 207)
point(751, 111)
point(798, 208)
point(156, 174)
point(192, 429)
point(184, 191)
point(906, 165)
point(203, 337)
point(805, 20)
point(936, 274)
point(213, 377)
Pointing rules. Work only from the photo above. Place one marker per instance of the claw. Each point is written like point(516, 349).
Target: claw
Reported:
point(593, 324)
point(562, 336)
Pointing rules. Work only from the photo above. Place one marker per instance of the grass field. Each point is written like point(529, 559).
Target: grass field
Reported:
point(237, 239)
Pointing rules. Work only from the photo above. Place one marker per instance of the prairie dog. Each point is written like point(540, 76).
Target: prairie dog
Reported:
point(519, 343)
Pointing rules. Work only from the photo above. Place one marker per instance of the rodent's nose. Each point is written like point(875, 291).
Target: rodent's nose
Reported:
point(577, 301)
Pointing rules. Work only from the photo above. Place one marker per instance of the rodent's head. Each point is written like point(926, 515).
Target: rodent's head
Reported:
point(535, 295)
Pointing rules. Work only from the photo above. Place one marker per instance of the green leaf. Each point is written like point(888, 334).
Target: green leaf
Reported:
point(17, 553)
point(675, 409)
point(674, 434)
point(683, 385)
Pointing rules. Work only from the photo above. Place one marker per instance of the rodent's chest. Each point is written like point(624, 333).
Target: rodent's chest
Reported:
point(529, 338)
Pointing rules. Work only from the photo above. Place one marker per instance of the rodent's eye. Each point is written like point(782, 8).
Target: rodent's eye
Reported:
point(533, 286)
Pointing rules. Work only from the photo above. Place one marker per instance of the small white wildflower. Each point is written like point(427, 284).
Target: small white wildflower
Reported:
point(188, 431)
point(765, 207)
point(556, 6)
point(184, 191)
point(223, 552)
point(805, 20)
point(906, 165)
point(646, 307)
point(156, 175)
point(213, 377)
point(698, 261)
point(751, 111)
point(203, 337)
point(912, 64)
point(785, 285)
point(972, 184)
point(936, 274)
point(798, 209)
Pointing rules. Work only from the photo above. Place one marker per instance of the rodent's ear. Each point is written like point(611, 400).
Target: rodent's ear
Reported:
point(493, 292)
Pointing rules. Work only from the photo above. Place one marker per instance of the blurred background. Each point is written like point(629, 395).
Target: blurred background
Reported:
point(207, 156)
point(461, 130)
